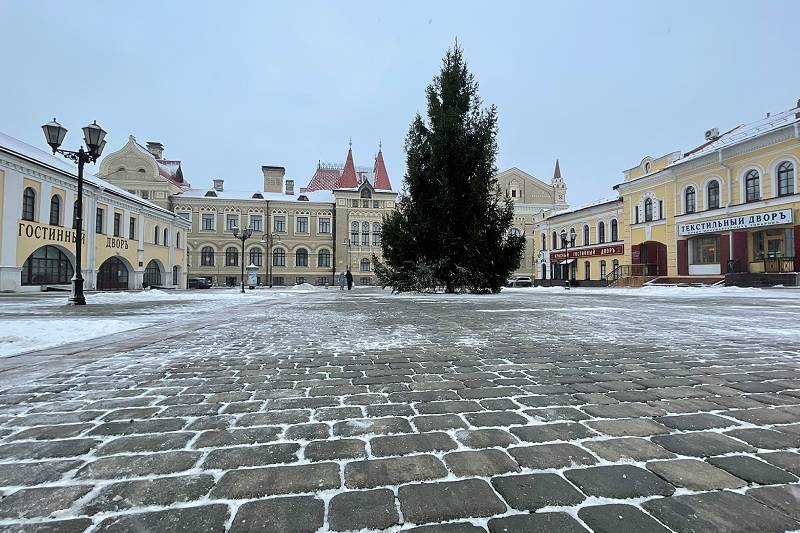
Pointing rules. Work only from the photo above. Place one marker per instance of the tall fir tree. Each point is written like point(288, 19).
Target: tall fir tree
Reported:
point(451, 228)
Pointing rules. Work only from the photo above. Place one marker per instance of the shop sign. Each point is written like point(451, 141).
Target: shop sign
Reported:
point(612, 249)
point(117, 243)
point(755, 220)
point(47, 233)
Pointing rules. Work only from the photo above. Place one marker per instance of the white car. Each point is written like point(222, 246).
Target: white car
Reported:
point(519, 281)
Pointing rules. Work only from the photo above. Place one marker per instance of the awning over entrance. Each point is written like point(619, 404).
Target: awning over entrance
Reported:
point(566, 262)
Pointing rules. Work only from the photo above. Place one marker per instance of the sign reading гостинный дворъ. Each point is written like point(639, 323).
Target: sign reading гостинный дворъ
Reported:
point(767, 218)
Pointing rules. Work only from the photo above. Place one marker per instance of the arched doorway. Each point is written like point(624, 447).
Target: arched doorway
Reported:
point(113, 275)
point(176, 275)
point(152, 274)
point(47, 266)
point(652, 255)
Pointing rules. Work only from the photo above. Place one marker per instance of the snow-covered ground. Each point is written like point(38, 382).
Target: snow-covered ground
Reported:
point(18, 336)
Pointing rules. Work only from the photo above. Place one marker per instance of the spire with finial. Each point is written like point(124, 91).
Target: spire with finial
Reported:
point(559, 187)
point(348, 178)
point(381, 176)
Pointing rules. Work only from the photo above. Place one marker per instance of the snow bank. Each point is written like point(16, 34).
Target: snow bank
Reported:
point(18, 336)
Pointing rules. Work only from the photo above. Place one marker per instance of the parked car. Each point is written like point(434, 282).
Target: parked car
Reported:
point(199, 283)
point(519, 281)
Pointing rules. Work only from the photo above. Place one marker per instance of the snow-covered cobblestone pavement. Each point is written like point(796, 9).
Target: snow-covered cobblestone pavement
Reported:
point(648, 410)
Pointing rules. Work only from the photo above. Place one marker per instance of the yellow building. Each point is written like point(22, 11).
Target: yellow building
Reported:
point(583, 245)
point(727, 209)
point(128, 242)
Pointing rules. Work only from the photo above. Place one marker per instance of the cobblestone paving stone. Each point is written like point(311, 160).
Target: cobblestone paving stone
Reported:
point(529, 411)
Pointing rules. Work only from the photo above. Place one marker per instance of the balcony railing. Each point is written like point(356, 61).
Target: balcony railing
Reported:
point(778, 265)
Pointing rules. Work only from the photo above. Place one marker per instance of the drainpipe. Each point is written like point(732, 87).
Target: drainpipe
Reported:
point(729, 179)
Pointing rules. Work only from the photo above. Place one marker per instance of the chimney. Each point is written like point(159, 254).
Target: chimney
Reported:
point(290, 187)
point(273, 178)
point(218, 185)
point(157, 149)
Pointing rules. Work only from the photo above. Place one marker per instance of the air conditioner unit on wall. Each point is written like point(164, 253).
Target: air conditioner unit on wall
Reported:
point(711, 134)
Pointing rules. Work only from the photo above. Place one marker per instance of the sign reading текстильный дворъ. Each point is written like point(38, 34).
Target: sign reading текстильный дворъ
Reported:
point(767, 218)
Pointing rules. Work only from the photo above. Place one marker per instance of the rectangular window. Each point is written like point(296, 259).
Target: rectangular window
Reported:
point(299, 280)
point(365, 280)
point(277, 280)
point(704, 250)
point(279, 224)
point(353, 203)
point(117, 224)
point(255, 222)
point(98, 223)
point(146, 195)
point(208, 221)
point(302, 224)
point(636, 214)
point(364, 203)
point(376, 204)
point(185, 215)
point(660, 210)
point(322, 281)
point(231, 221)
point(132, 229)
point(324, 225)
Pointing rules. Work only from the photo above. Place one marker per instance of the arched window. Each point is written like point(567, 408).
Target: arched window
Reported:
point(690, 200)
point(28, 204)
point(256, 257)
point(712, 194)
point(301, 257)
point(324, 258)
point(544, 241)
point(563, 238)
point(752, 188)
point(47, 265)
point(55, 210)
point(354, 233)
point(587, 270)
point(152, 274)
point(555, 241)
point(601, 232)
point(279, 257)
point(586, 235)
point(166, 237)
point(572, 237)
point(614, 230)
point(113, 275)
point(231, 256)
point(648, 209)
point(785, 178)
point(365, 233)
point(177, 239)
point(207, 256)
point(603, 269)
point(515, 232)
point(156, 233)
point(376, 234)
point(615, 268)
point(364, 265)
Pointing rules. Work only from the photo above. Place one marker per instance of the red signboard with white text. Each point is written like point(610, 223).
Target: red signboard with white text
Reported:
point(611, 249)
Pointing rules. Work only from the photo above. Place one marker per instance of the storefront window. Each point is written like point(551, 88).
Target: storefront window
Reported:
point(773, 244)
point(704, 250)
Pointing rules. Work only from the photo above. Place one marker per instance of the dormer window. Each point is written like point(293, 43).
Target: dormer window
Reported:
point(647, 167)
point(211, 193)
point(142, 170)
point(258, 196)
point(302, 198)
point(365, 193)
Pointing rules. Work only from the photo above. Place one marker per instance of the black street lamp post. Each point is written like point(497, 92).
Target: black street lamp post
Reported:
point(245, 234)
point(94, 137)
point(566, 244)
point(270, 240)
point(349, 244)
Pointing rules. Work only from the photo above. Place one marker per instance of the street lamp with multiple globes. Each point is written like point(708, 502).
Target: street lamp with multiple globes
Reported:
point(94, 137)
point(242, 235)
point(270, 240)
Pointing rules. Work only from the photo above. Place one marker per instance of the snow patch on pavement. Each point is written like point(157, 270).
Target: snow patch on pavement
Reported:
point(18, 336)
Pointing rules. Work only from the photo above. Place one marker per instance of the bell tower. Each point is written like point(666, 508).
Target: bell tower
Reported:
point(559, 187)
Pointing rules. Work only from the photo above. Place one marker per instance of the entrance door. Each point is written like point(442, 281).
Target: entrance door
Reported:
point(113, 275)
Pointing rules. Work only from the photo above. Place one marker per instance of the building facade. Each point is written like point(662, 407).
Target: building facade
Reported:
point(583, 245)
point(128, 242)
point(299, 236)
point(727, 209)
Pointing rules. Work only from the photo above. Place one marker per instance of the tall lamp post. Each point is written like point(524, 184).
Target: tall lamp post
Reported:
point(270, 240)
point(94, 138)
point(349, 244)
point(242, 235)
point(566, 244)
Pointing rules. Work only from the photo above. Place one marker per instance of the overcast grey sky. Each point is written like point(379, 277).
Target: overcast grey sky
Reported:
point(230, 86)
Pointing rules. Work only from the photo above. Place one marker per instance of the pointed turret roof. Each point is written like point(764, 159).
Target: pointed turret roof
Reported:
point(348, 179)
point(381, 176)
point(557, 172)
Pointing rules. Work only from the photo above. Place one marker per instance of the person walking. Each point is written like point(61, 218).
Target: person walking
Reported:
point(341, 281)
point(349, 277)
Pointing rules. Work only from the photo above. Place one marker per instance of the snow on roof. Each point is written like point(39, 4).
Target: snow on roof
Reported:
point(313, 196)
point(597, 203)
point(27, 151)
point(744, 132)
